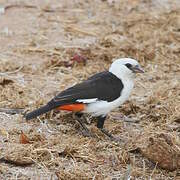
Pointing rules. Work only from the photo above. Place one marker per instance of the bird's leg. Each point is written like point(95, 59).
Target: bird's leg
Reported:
point(100, 124)
point(81, 115)
point(85, 131)
point(78, 114)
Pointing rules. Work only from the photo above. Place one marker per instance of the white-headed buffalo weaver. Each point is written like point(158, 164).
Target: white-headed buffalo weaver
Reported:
point(97, 95)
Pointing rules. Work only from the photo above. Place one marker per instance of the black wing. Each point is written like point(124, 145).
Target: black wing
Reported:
point(103, 86)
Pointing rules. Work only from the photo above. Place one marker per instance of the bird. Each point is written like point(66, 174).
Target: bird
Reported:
point(98, 95)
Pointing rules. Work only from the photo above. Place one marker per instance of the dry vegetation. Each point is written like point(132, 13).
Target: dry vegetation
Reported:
point(39, 45)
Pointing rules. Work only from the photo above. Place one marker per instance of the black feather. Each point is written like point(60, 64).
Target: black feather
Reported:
point(37, 112)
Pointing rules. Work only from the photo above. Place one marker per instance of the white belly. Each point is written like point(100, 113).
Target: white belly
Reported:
point(102, 108)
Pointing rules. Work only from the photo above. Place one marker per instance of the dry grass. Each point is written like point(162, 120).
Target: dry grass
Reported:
point(36, 61)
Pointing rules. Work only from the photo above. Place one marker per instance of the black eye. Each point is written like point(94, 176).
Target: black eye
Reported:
point(128, 65)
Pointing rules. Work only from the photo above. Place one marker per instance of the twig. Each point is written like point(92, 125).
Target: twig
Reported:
point(19, 6)
point(11, 111)
point(125, 118)
point(76, 29)
point(127, 175)
point(52, 52)
point(12, 72)
point(15, 162)
point(153, 171)
point(45, 149)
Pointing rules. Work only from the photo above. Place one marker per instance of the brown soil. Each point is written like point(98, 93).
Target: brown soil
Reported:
point(40, 45)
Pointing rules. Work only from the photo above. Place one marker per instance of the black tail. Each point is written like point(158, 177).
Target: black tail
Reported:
point(37, 112)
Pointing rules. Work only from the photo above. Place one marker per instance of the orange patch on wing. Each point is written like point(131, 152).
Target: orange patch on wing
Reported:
point(72, 107)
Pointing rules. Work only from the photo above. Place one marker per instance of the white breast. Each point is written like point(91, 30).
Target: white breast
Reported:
point(102, 108)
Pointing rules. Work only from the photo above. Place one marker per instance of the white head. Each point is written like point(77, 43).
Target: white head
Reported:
point(125, 68)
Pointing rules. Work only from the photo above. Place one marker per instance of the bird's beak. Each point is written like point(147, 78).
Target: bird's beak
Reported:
point(137, 69)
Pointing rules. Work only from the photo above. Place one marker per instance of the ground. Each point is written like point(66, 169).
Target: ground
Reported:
point(46, 46)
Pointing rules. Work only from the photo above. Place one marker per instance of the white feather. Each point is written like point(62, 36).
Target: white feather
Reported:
point(121, 71)
point(87, 100)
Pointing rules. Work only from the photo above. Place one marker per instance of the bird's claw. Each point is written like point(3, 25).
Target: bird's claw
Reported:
point(107, 133)
point(86, 133)
point(85, 130)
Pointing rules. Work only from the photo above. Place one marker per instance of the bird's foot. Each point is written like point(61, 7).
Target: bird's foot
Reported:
point(86, 133)
point(107, 133)
point(85, 130)
point(86, 119)
point(82, 116)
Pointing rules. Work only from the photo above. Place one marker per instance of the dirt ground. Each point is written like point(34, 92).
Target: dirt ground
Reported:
point(39, 45)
